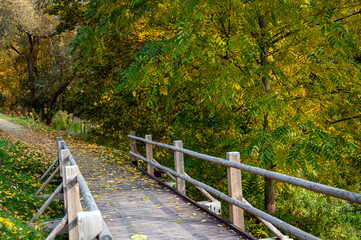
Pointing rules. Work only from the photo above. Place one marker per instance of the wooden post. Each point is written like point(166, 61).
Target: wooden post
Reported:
point(89, 224)
point(133, 148)
point(179, 167)
point(64, 161)
point(60, 146)
point(73, 200)
point(149, 151)
point(235, 190)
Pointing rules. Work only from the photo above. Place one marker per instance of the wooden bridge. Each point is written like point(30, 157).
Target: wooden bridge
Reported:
point(128, 203)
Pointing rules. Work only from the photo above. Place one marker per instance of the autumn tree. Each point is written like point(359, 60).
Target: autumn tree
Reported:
point(267, 75)
point(28, 36)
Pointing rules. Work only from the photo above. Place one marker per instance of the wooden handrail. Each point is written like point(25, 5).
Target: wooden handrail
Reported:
point(316, 187)
point(267, 219)
point(90, 222)
point(275, 221)
point(88, 198)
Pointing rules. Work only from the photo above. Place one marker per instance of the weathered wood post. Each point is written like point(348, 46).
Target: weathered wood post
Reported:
point(235, 190)
point(60, 146)
point(64, 161)
point(133, 148)
point(89, 224)
point(73, 200)
point(179, 167)
point(149, 151)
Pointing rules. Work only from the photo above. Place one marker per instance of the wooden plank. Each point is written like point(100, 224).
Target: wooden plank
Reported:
point(89, 224)
point(64, 161)
point(73, 200)
point(149, 152)
point(49, 226)
point(147, 207)
point(179, 167)
point(46, 204)
point(60, 146)
point(49, 169)
point(48, 181)
point(58, 228)
point(60, 196)
point(236, 214)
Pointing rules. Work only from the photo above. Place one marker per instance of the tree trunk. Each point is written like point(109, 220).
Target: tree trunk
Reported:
point(30, 68)
point(269, 190)
point(50, 113)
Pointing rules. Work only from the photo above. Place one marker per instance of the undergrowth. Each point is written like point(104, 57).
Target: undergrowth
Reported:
point(20, 170)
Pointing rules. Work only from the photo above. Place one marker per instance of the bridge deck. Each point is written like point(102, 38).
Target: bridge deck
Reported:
point(134, 203)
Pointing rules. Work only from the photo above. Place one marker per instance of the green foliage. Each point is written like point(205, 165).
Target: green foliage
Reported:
point(324, 216)
point(19, 169)
point(197, 71)
point(66, 122)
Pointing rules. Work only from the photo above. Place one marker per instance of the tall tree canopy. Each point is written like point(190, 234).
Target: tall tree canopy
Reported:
point(287, 72)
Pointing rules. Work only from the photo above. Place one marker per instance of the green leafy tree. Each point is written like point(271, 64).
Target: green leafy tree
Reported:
point(276, 70)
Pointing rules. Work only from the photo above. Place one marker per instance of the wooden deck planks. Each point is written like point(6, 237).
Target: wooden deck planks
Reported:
point(134, 203)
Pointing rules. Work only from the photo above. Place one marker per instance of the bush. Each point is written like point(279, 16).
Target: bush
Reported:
point(318, 214)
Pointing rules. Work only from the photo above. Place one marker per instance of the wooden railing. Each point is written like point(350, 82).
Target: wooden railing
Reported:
point(78, 224)
point(234, 197)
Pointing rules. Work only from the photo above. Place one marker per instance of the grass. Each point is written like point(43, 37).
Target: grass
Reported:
point(20, 169)
point(22, 120)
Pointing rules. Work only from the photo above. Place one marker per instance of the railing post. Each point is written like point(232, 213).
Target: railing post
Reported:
point(60, 146)
point(64, 161)
point(149, 151)
point(133, 148)
point(73, 199)
point(235, 190)
point(179, 167)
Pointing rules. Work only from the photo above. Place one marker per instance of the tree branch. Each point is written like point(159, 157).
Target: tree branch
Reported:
point(13, 48)
point(48, 36)
point(345, 119)
point(343, 18)
point(287, 89)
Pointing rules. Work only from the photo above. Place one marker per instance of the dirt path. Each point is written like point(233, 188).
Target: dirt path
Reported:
point(27, 136)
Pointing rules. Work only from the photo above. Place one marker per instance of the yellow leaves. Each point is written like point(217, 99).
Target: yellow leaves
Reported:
point(237, 86)
point(7, 223)
point(139, 236)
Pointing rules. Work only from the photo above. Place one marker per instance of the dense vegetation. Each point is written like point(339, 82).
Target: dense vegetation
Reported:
point(278, 81)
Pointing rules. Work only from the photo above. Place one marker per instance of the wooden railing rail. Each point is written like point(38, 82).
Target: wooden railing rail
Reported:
point(89, 200)
point(316, 187)
point(80, 225)
point(235, 193)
